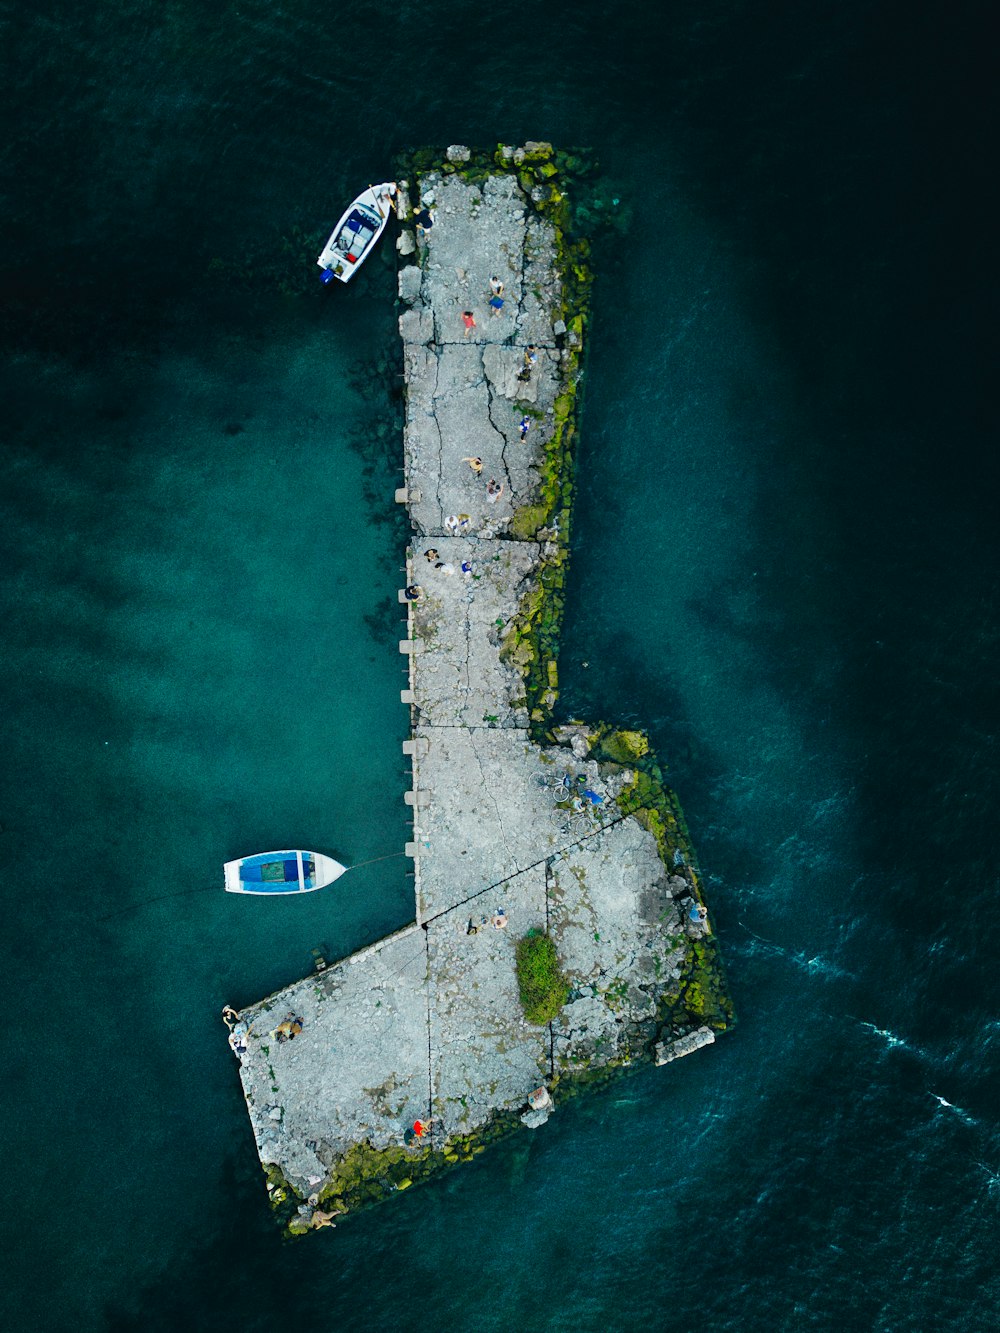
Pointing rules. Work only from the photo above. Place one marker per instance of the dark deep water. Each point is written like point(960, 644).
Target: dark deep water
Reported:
point(784, 566)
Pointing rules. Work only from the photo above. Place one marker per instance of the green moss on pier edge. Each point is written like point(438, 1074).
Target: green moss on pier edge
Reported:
point(702, 996)
point(564, 188)
point(366, 1175)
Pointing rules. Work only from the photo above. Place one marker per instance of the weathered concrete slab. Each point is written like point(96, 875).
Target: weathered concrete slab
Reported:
point(357, 1071)
point(613, 916)
point(485, 1056)
point(487, 822)
point(495, 811)
point(459, 679)
point(457, 411)
point(466, 395)
point(480, 233)
point(691, 1041)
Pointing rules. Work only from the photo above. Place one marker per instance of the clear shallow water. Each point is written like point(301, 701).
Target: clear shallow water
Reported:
point(783, 566)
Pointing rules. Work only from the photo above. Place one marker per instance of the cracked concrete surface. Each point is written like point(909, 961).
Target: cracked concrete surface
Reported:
point(357, 1070)
point(466, 395)
point(428, 1022)
point(484, 1054)
point(459, 615)
point(493, 812)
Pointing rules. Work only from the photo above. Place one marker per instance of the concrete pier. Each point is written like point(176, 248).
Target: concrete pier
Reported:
point(510, 833)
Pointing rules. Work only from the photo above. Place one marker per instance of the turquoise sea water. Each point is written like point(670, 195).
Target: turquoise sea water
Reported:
point(784, 565)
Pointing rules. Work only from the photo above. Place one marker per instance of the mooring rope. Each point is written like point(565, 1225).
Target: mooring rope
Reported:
point(388, 857)
point(135, 907)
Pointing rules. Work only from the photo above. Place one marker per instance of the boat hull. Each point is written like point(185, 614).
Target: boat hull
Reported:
point(277, 873)
point(356, 234)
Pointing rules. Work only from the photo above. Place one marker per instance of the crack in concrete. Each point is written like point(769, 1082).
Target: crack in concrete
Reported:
point(521, 312)
point(491, 399)
point(496, 806)
point(470, 597)
point(524, 870)
point(440, 448)
point(430, 1052)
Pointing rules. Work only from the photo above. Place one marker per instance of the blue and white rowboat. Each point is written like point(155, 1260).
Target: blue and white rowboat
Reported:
point(282, 872)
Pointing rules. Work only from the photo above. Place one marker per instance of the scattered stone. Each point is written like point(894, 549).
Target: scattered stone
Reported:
point(692, 1041)
point(410, 279)
point(458, 153)
point(416, 326)
point(406, 243)
point(534, 1119)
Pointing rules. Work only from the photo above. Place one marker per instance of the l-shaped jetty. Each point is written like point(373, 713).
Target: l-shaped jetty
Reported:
point(409, 1056)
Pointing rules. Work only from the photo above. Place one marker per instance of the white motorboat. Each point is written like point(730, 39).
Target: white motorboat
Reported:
point(353, 238)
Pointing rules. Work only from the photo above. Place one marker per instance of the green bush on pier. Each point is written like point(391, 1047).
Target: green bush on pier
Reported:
point(543, 988)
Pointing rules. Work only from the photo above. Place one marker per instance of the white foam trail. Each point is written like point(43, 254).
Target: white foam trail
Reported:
point(820, 964)
point(815, 964)
point(992, 1177)
point(890, 1037)
point(962, 1114)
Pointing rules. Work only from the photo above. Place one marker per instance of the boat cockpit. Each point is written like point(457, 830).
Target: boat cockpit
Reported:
point(357, 232)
